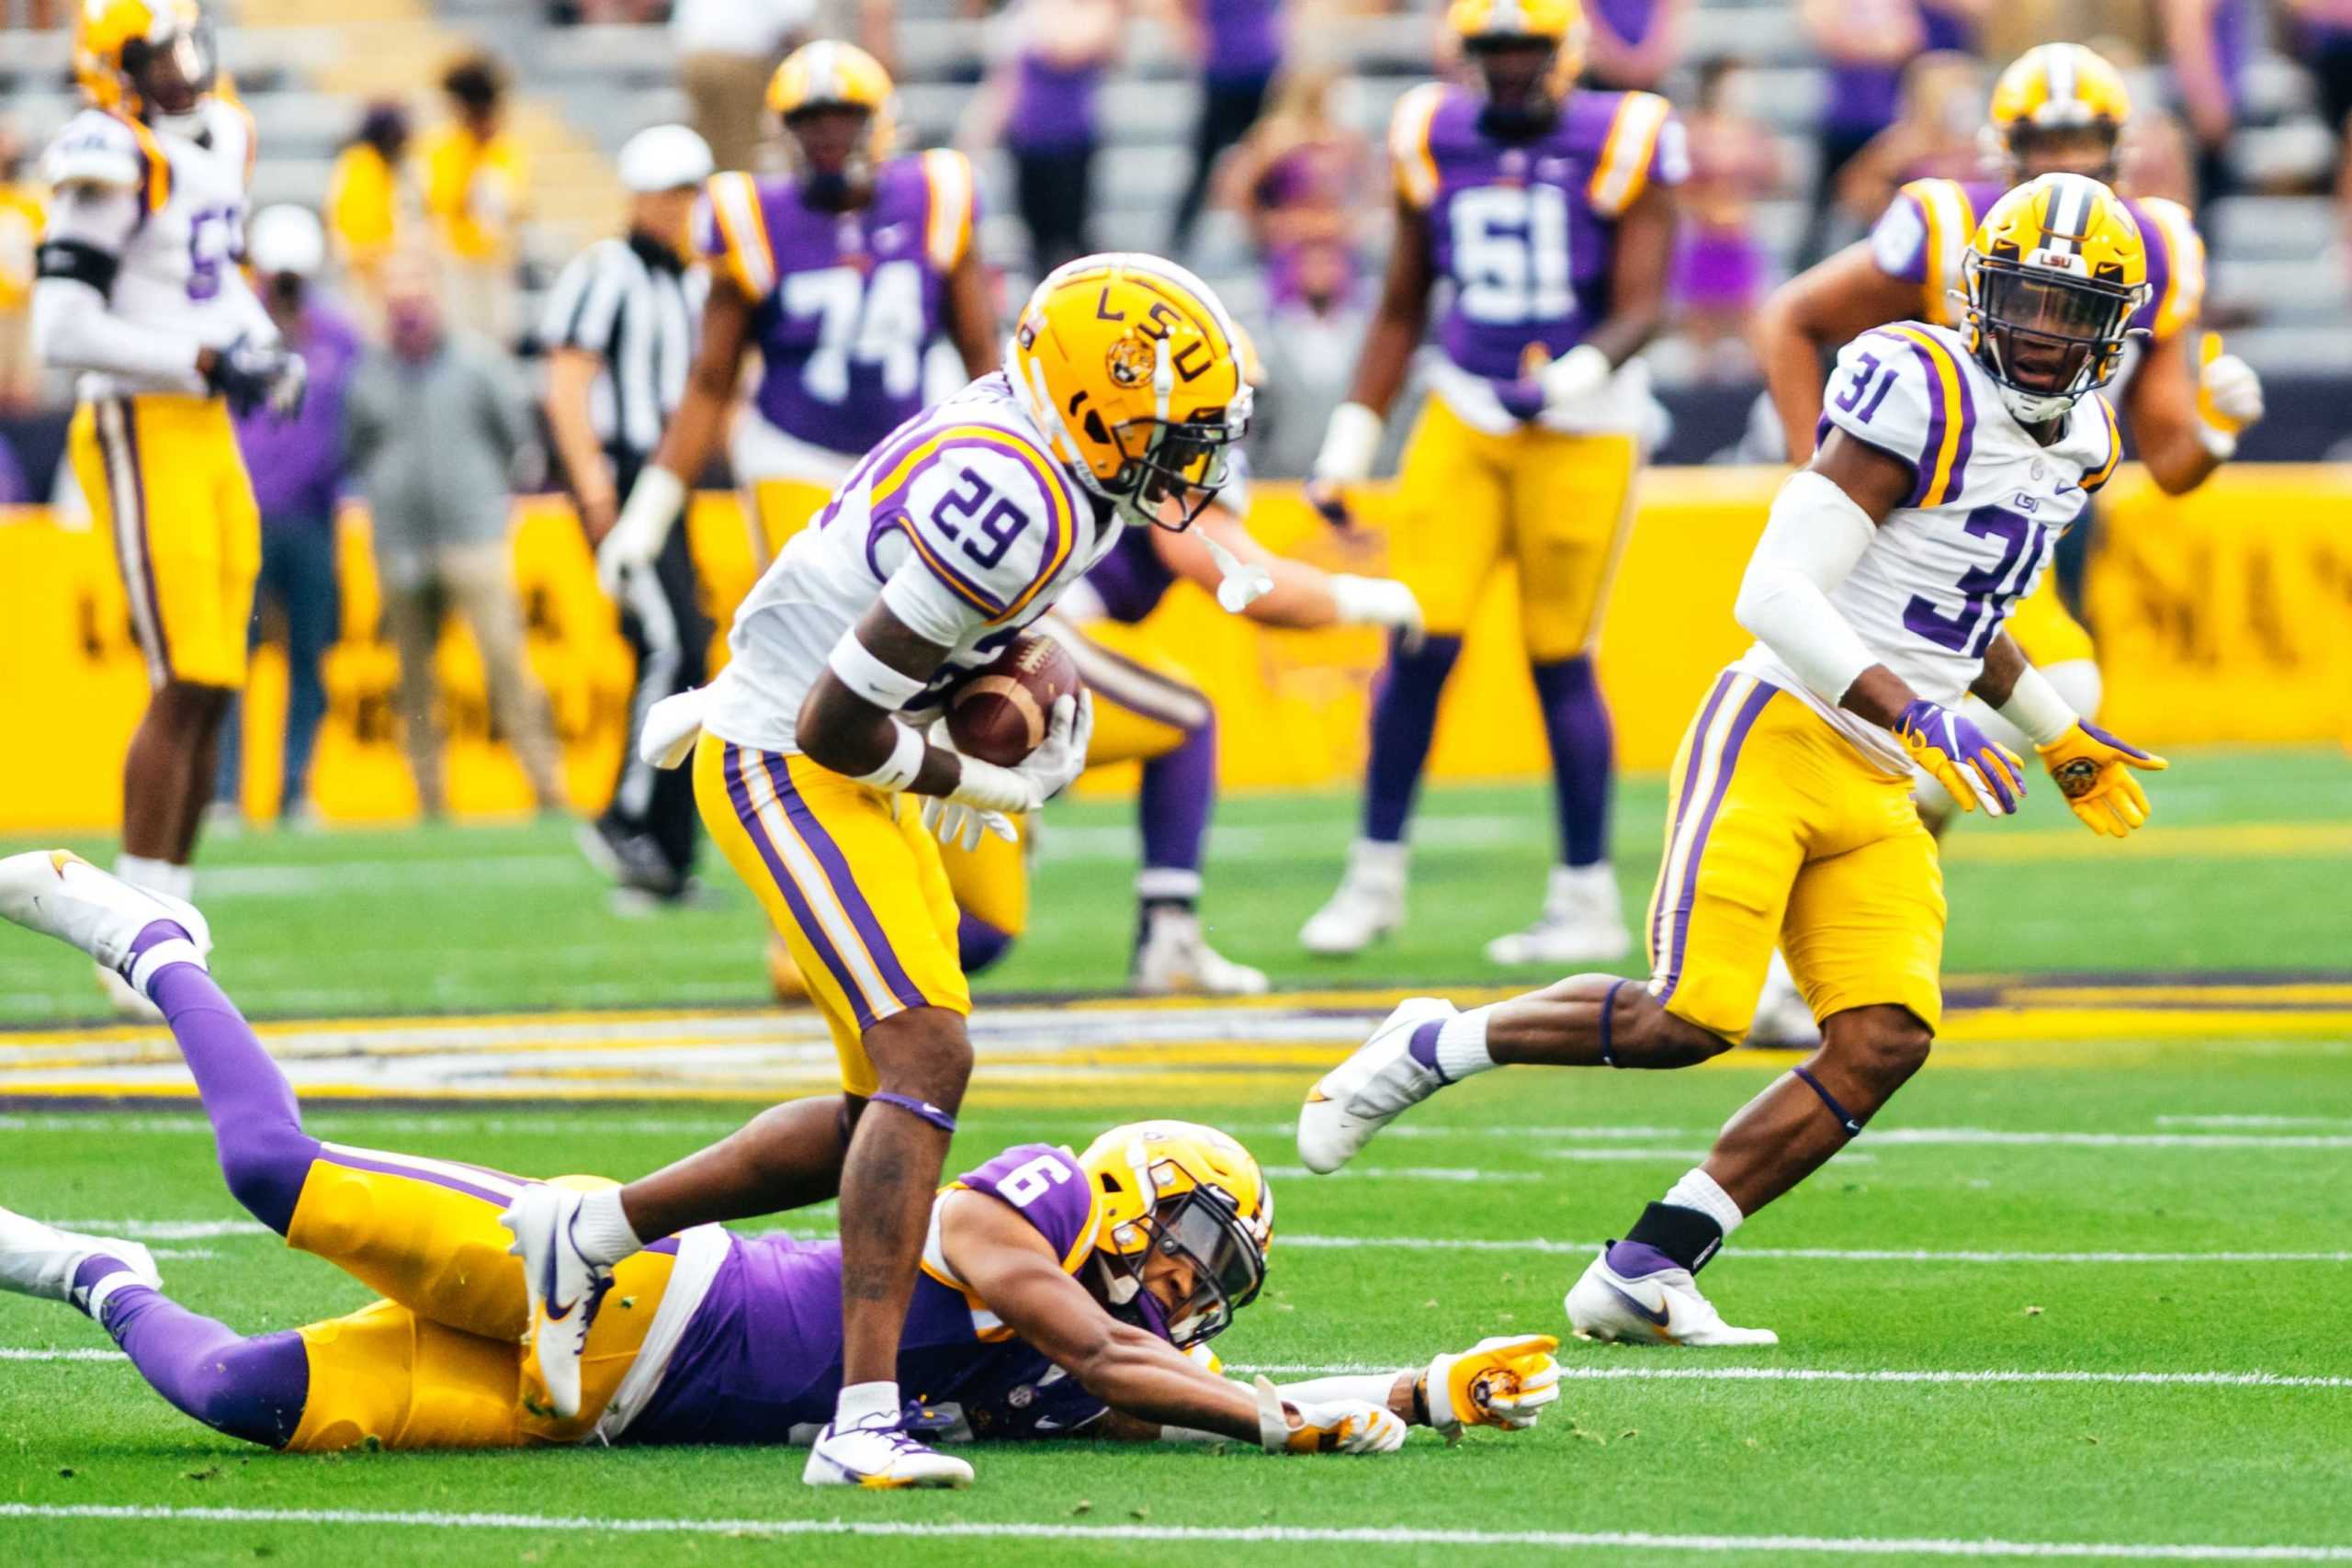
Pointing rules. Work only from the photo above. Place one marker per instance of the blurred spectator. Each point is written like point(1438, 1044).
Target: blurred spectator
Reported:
point(1303, 176)
point(1866, 43)
point(1937, 136)
point(39, 15)
point(1633, 43)
point(20, 223)
point(296, 467)
point(369, 198)
point(1310, 347)
point(1039, 99)
point(434, 424)
point(476, 180)
point(2209, 43)
point(726, 50)
point(1719, 269)
point(2323, 40)
point(619, 331)
point(1237, 45)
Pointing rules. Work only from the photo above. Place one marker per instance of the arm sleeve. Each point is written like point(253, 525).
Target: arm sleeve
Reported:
point(75, 332)
point(1811, 542)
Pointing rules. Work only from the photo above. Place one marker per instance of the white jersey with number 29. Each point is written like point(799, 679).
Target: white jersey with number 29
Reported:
point(1987, 504)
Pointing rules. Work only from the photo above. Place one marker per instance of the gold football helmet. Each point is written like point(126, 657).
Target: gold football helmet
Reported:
point(1526, 53)
point(2055, 274)
point(1190, 1192)
point(1134, 371)
point(143, 58)
point(828, 75)
point(2057, 88)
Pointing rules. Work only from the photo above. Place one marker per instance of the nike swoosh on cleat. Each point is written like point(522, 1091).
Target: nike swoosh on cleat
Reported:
point(1650, 1314)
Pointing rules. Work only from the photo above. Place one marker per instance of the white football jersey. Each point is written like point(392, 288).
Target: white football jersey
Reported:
point(1987, 504)
point(961, 521)
point(169, 208)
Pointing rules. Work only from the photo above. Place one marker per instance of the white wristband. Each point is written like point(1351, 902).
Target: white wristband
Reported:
point(855, 667)
point(1349, 441)
point(898, 770)
point(1370, 601)
point(992, 789)
point(2035, 706)
point(654, 502)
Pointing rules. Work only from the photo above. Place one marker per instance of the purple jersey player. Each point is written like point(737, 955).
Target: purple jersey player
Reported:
point(1059, 1292)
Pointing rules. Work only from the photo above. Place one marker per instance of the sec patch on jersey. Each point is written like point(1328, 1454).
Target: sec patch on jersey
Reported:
point(1000, 712)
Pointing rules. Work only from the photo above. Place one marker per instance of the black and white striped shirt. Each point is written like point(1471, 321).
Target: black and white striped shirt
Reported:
point(632, 303)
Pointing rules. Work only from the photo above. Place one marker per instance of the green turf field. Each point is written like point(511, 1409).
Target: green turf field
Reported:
point(2081, 1287)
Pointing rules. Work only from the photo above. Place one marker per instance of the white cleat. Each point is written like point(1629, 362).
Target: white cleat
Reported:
point(1783, 1021)
point(881, 1458)
point(41, 1260)
point(1364, 907)
point(58, 893)
point(1663, 1307)
point(1370, 1089)
point(564, 1288)
point(1176, 960)
point(1582, 923)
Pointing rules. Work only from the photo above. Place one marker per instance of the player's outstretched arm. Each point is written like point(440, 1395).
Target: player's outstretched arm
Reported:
point(1147, 1383)
point(2185, 422)
point(1304, 597)
point(1505, 1382)
point(1829, 303)
point(2093, 768)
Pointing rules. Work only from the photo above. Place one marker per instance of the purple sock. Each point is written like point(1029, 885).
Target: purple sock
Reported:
point(1179, 793)
point(1404, 719)
point(253, 1389)
point(979, 945)
point(1575, 721)
point(256, 1124)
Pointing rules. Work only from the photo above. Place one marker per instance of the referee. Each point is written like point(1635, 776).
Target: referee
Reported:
point(619, 331)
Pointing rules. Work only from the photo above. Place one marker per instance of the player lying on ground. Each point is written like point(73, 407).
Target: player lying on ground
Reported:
point(1877, 595)
point(1104, 1265)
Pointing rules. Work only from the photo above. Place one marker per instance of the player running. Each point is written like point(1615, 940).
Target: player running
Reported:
point(1549, 211)
point(1952, 462)
point(1106, 1266)
point(1122, 391)
point(842, 274)
point(140, 290)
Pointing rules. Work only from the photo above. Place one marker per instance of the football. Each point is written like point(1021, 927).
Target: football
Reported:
point(999, 713)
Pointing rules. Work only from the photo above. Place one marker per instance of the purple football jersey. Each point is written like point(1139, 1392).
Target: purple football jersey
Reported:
point(1526, 231)
point(762, 1353)
point(846, 303)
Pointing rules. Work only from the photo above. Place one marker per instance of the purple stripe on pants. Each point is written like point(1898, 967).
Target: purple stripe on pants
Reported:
point(352, 1160)
point(1683, 805)
point(741, 795)
point(844, 886)
point(1741, 723)
point(159, 657)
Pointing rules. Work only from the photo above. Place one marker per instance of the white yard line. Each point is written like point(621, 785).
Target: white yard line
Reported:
point(1574, 1373)
point(2278, 1122)
point(1827, 1254)
point(1918, 1136)
point(1273, 1535)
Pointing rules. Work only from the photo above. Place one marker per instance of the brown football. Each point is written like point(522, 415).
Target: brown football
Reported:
point(999, 713)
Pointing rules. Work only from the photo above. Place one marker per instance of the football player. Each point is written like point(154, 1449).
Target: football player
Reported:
point(1121, 390)
point(2059, 108)
point(1107, 1266)
point(1548, 209)
point(1951, 462)
point(140, 290)
point(841, 273)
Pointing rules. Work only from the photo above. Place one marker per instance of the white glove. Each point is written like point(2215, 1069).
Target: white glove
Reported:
point(1336, 1425)
point(643, 528)
point(1503, 1382)
point(2229, 397)
point(1055, 765)
point(1378, 602)
point(953, 823)
point(1574, 376)
point(671, 728)
point(987, 796)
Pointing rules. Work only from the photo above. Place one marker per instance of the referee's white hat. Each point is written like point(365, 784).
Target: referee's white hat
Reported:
point(286, 239)
point(664, 157)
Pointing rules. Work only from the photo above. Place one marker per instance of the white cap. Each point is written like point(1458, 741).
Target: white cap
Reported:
point(664, 157)
point(286, 239)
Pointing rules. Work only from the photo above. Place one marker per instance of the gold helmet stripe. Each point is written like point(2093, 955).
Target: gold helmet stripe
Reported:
point(1409, 143)
point(2058, 67)
point(1623, 169)
point(947, 233)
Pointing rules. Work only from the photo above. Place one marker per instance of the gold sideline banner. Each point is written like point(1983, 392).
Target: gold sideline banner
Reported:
point(2221, 616)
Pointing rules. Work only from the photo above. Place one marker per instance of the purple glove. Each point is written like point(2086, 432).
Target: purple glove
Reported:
point(1523, 399)
point(1973, 768)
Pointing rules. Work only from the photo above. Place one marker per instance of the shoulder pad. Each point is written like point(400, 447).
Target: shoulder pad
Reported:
point(98, 147)
point(1408, 142)
point(730, 216)
point(953, 207)
point(1922, 236)
point(1906, 390)
point(2104, 470)
point(2175, 267)
point(986, 510)
point(1050, 1190)
point(1644, 145)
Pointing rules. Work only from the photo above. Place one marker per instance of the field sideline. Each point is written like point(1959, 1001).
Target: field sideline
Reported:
point(2076, 1295)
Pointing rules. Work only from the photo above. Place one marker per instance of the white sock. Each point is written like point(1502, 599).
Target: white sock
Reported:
point(866, 1404)
point(1369, 860)
point(1462, 1044)
point(1699, 1191)
point(1572, 888)
point(158, 958)
point(603, 1232)
point(95, 1302)
point(143, 870)
point(1168, 881)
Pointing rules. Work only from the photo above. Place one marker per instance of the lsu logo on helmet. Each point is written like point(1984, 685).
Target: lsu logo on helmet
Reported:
point(2055, 271)
point(1190, 1193)
point(1135, 373)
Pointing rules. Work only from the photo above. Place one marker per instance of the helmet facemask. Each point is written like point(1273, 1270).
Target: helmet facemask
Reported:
point(1518, 75)
point(836, 174)
point(1178, 464)
point(171, 72)
point(1202, 1229)
point(2046, 336)
point(2093, 148)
